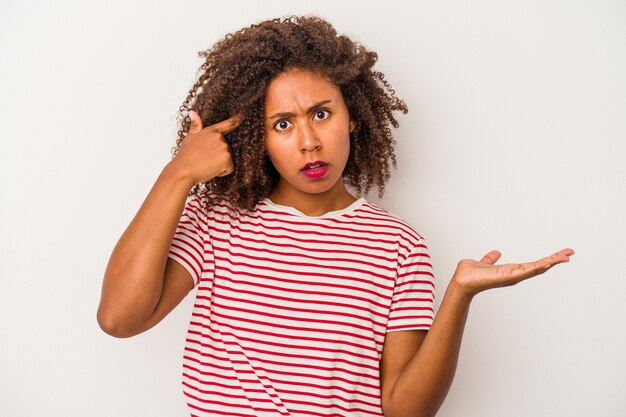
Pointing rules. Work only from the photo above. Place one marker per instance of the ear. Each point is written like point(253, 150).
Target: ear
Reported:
point(352, 125)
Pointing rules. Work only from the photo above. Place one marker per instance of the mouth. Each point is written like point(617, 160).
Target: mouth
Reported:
point(314, 165)
point(315, 170)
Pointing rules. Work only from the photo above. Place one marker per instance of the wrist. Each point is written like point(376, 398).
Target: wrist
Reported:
point(460, 292)
point(173, 172)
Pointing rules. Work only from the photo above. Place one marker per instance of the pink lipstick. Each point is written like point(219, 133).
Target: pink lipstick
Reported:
point(315, 170)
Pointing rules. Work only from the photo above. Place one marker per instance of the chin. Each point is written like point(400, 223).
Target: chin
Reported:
point(320, 186)
point(314, 190)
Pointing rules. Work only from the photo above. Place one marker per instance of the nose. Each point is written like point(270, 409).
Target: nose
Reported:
point(309, 140)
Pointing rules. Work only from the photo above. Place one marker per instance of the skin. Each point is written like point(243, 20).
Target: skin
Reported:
point(307, 120)
point(142, 285)
point(417, 368)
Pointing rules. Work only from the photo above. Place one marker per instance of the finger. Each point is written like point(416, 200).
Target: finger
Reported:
point(225, 172)
point(227, 125)
point(529, 269)
point(520, 272)
point(556, 258)
point(491, 258)
point(196, 122)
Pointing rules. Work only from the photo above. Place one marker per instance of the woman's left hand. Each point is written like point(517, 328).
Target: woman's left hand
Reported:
point(472, 277)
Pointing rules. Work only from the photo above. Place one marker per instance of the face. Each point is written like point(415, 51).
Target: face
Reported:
point(307, 134)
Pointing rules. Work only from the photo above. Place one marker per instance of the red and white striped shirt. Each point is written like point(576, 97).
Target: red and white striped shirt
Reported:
point(291, 310)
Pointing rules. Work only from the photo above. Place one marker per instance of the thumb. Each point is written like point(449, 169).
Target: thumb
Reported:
point(196, 122)
point(491, 258)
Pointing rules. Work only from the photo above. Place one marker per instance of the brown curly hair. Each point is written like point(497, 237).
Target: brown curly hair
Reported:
point(234, 79)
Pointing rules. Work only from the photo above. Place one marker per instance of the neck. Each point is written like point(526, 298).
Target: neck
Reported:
point(336, 198)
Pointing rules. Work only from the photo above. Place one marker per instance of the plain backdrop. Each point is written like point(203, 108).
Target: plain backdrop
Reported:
point(515, 140)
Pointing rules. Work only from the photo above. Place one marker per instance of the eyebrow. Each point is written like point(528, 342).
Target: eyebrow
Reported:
point(285, 115)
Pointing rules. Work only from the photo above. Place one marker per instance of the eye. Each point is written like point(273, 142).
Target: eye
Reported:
point(322, 114)
point(281, 125)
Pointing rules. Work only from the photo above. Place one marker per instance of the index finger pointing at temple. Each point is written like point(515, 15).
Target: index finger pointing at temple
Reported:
point(227, 125)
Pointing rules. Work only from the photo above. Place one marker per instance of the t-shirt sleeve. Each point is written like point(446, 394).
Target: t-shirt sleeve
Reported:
point(412, 304)
point(190, 239)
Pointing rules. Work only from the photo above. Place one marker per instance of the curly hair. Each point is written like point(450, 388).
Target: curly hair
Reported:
point(236, 74)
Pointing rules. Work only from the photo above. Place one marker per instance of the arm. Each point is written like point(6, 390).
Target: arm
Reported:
point(134, 278)
point(141, 285)
point(416, 379)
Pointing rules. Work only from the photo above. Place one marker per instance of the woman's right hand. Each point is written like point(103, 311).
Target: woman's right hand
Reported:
point(204, 153)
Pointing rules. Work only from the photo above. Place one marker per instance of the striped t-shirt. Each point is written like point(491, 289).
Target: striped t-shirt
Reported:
point(291, 310)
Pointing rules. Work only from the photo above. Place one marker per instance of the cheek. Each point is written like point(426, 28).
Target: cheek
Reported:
point(268, 145)
point(345, 145)
point(275, 153)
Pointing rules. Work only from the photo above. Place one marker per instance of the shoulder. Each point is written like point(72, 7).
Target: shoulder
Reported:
point(408, 240)
point(389, 220)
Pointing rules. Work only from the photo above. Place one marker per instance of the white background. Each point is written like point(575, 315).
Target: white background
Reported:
point(515, 140)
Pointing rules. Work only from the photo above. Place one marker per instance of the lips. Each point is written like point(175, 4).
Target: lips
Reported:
point(315, 170)
point(314, 165)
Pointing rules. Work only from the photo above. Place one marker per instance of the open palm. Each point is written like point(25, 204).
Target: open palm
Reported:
point(476, 276)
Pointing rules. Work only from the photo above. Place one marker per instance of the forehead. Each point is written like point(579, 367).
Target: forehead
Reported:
point(295, 90)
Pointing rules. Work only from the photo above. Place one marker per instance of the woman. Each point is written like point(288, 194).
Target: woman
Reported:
point(310, 300)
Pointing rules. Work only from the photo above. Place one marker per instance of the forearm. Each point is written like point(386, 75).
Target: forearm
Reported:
point(423, 384)
point(133, 280)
